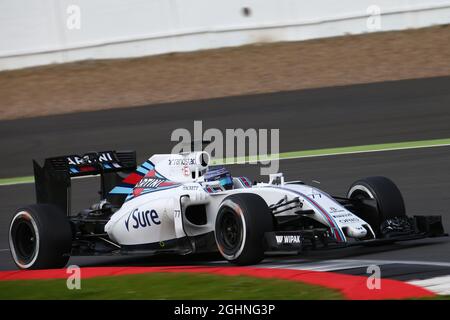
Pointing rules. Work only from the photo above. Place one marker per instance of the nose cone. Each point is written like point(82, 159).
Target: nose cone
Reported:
point(355, 232)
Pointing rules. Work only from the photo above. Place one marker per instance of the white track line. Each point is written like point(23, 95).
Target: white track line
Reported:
point(327, 265)
point(438, 285)
point(424, 263)
point(333, 265)
point(4, 250)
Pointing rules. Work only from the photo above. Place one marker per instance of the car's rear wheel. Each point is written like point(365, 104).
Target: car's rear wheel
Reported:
point(389, 200)
point(40, 237)
point(241, 223)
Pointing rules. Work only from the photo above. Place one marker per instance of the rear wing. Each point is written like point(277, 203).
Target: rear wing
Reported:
point(53, 179)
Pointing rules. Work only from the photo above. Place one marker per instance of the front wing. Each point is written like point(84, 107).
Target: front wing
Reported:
point(417, 227)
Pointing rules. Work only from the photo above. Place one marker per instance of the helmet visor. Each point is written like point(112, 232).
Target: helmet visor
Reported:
point(226, 181)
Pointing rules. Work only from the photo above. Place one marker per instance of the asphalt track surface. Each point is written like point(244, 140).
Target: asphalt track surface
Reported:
point(309, 119)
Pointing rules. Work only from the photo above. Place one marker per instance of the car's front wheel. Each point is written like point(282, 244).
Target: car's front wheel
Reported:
point(241, 222)
point(388, 201)
point(40, 237)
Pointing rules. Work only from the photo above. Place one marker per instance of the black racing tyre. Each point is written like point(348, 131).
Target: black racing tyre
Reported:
point(241, 222)
point(387, 195)
point(40, 237)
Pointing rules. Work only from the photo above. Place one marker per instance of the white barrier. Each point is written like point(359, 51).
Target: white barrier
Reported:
point(43, 32)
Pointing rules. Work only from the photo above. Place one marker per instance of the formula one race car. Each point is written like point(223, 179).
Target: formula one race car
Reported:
point(177, 203)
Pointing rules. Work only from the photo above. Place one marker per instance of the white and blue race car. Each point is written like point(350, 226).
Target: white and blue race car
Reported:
point(178, 204)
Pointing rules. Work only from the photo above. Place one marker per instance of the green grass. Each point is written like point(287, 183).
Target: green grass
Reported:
point(181, 286)
point(16, 180)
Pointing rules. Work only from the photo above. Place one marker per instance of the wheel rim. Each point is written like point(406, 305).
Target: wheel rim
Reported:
point(360, 192)
point(24, 240)
point(230, 230)
point(230, 235)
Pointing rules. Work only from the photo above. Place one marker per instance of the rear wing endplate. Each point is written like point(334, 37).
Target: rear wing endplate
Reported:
point(53, 179)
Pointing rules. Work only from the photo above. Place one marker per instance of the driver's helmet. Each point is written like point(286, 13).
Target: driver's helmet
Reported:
point(221, 174)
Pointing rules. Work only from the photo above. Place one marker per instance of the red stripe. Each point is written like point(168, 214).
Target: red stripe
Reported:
point(86, 169)
point(137, 191)
point(167, 183)
point(132, 178)
point(151, 174)
point(352, 287)
point(332, 224)
point(328, 218)
point(336, 233)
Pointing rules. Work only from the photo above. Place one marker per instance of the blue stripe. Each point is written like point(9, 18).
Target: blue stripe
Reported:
point(107, 166)
point(121, 190)
point(73, 170)
point(147, 165)
point(142, 170)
